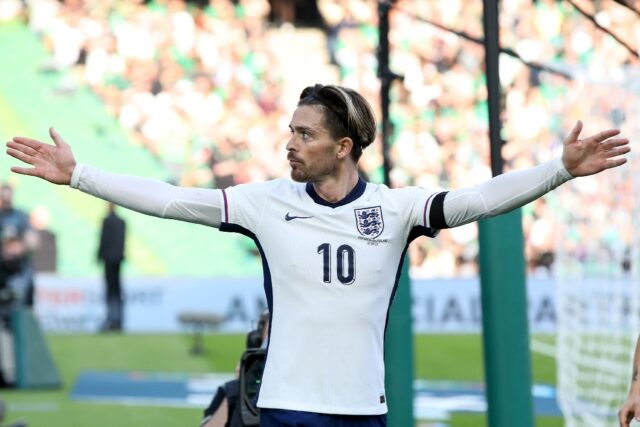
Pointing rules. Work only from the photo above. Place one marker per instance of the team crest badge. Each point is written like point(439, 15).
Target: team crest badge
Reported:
point(369, 221)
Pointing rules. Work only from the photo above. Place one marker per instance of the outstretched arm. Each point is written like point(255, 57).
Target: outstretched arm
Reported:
point(56, 164)
point(631, 406)
point(503, 193)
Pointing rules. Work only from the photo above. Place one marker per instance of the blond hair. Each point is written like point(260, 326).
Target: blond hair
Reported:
point(347, 114)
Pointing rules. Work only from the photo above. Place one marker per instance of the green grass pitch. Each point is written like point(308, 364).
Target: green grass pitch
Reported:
point(437, 357)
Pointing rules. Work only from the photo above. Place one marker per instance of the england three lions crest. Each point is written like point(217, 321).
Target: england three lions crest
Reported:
point(369, 221)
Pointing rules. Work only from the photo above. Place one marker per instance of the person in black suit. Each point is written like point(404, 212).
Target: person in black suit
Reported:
point(111, 252)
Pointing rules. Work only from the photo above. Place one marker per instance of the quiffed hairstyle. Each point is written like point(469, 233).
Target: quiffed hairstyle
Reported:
point(347, 114)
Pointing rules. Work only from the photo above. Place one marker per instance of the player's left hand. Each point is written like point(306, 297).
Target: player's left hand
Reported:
point(588, 156)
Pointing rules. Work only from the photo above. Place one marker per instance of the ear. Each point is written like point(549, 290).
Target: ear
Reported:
point(344, 147)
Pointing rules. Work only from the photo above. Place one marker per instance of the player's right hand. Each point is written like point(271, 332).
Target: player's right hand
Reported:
point(53, 163)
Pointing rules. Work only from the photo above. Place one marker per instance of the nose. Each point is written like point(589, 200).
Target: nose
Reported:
point(291, 143)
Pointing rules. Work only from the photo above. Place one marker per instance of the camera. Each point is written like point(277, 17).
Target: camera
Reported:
point(254, 337)
point(251, 369)
point(12, 254)
point(10, 264)
point(242, 393)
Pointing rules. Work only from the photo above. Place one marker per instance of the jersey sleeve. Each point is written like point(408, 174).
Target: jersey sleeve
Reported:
point(243, 205)
point(424, 209)
point(502, 193)
point(150, 196)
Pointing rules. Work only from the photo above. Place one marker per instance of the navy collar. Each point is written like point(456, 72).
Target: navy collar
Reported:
point(357, 191)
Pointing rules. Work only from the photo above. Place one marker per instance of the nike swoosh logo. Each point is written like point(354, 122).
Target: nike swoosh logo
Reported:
point(288, 217)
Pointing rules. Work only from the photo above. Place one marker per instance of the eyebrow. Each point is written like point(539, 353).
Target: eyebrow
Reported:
point(302, 129)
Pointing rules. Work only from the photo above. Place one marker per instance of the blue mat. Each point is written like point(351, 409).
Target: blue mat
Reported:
point(433, 400)
point(148, 388)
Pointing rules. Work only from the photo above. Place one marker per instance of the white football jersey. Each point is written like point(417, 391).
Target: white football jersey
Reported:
point(330, 269)
point(330, 272)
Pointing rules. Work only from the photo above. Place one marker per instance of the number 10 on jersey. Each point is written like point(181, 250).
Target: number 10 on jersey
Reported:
point(345, 258)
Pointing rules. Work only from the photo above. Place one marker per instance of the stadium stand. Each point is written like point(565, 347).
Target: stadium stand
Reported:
point(76, 218)
point(206, 92)
point(439, 110)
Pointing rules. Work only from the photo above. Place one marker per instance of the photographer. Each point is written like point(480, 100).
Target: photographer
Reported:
point(16, 276)
point(225, 407)
point(17, 241)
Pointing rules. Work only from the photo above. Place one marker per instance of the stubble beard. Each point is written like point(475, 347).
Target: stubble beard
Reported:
point(319, 173)
point(299, 176)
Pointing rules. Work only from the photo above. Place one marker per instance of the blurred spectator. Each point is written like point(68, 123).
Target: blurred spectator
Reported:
point(45, 254)
point(111, 253)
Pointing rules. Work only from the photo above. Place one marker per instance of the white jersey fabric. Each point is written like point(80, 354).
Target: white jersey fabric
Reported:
point(330, 269)
point(330, 272)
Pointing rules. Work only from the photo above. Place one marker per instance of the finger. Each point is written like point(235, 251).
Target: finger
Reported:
point(615, 142)
point(57, 139)
point(618, 151)
point(20, 147)
point(634, 411)
point(605, 134)
point(575, 132)
point(24, 171)
point(33, 143)
point(614, 163)
point(625, 415)
point(20, 156)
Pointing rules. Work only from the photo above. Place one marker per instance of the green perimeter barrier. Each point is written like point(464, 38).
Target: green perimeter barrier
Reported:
point(35, 367)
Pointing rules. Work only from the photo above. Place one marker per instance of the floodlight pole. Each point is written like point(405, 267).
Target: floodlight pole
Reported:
point(502, 275)
point(399, 334)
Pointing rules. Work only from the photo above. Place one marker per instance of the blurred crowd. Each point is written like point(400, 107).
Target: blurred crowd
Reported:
point(200, 85)
point(439, 111)
point(196, 85)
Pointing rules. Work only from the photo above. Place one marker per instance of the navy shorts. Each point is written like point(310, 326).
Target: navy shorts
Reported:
point(288, 418)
